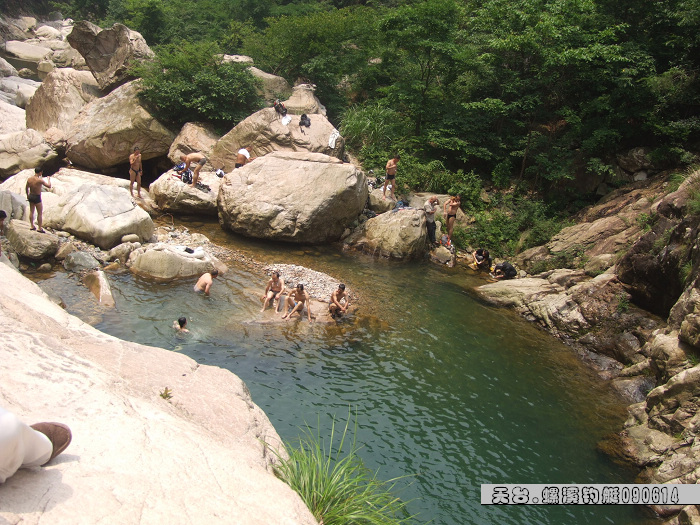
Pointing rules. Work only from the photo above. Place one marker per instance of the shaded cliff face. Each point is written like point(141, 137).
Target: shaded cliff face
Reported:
point(651, 360)
point(197, 457)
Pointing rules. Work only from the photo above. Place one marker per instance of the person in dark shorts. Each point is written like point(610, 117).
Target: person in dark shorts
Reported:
point(135, 171)
point(243, 157)
point(3, 216)
point(430, 207)
point(391, 176)
point(197, 158)
point(482, 260)
point(504, 270)
point(35, 184)
point(450, 211)
point(336, 307)
point(298, 297)
point(273, 291)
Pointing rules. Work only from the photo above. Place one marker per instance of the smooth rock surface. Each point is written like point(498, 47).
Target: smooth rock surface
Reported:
point(106, 130)
point(29, 243)
point(295, 197)
point(23, 150)
point(12, 118)
point(273, 86)
point(60, 98)
point(136, 458)
point(172, 195)
point(101, 215)
point(304, 100)
point(109, 53)
point(399, 235)
point(194, 137)
point(166, 262)
point(265, 132)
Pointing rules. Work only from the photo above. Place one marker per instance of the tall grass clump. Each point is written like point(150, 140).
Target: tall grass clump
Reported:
point(334, 483)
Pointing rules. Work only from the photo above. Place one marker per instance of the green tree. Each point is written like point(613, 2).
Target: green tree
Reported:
point(190, 82)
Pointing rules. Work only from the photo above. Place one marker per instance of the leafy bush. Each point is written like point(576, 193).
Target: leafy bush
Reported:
point(335, 484)
point(190, 83)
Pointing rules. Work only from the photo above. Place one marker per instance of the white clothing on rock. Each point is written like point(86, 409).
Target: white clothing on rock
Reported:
point(20, 445)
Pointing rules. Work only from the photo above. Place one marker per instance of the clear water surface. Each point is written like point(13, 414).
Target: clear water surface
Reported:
point(448, 390)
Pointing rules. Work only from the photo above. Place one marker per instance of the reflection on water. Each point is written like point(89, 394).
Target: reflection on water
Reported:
point(446, 388)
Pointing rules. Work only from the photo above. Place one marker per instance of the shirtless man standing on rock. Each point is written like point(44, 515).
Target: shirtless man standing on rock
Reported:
point(391, 176)
point(200, 159)
point(35, 183)
point(135, 171)
point(274, 290)
point(299, 297)
point(205, 281)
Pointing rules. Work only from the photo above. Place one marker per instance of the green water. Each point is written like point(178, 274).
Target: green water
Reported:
point(447, 389)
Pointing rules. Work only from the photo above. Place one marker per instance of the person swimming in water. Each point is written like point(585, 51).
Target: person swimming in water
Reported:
point(205, 281)
point(181, 325)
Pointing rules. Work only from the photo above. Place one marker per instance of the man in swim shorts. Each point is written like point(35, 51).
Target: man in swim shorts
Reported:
point(450, 210)
point(35, 183)
point(3, 216)
point(135, 171)
point(197, 158)
point(391, 175)
point(299, 298)
point(273, 290)
point(205, 281)
point(244, 157)
point(335, 307)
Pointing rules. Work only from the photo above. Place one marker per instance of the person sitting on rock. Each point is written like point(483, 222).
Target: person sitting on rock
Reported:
point(200, 159)
point(299, 298)
point(35, 183)
point(273, 291)
point(504, 270)
point(24, 446)
point(181, 325)
point(244, 157)
point(482, 260)
point(335, 307)
point(205, 281)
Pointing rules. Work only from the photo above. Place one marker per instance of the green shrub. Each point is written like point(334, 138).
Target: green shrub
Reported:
point(647, 221)
point(335, 484)
point(189, 82)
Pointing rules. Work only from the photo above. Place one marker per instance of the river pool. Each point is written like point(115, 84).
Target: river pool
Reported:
point(447, 390)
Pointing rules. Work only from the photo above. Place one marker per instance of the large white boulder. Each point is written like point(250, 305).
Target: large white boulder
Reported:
point(23, 150)
point(30, 243)
point(265, 132)
point(109, 53)
point(106, 130)
point(273, 86)
point(14, 205)
point(194, 137)
point(12, 118)
point(64, 181)
point(17, 90)
point(297, 197)
point(399, 234)
point(136, 458)
point(166, 262)
point(304, 100)
point(173, 195)
point(26, 53)
point(60, 98)
point(101, 215)
point(7, 69)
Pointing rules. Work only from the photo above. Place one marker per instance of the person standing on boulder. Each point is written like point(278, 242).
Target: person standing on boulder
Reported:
point(244, 157)
point(3, 216)
point(430, 208)
point(135, 171)
point(391, 176)
point(35, 183)
point(200, 159)
point(205, 281)
point(450, 210)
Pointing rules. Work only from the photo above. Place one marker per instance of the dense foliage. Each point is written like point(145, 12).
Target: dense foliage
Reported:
point(503, 93)
point(191, 83)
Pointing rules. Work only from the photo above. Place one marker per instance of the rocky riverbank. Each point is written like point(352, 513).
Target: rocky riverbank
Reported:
point(637, 248)
point(135, 457)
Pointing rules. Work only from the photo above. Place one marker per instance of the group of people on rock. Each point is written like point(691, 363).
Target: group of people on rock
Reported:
point(297, 298)
point(136, 166)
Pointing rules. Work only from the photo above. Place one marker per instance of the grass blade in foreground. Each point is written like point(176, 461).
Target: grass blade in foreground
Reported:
point(336, 486)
